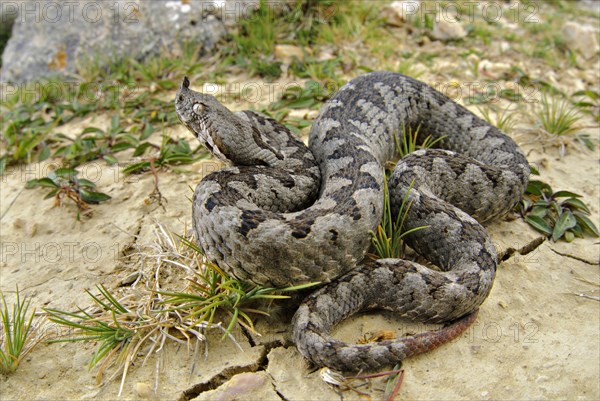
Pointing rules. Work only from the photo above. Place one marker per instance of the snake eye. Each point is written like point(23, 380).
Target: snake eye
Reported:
point(198, 108)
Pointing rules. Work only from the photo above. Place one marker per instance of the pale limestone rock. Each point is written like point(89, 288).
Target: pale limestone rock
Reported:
point(581, 38)
point(398, 12)
point(287, 52)
point(144, 391)
point(448, 30)
point(492, 68)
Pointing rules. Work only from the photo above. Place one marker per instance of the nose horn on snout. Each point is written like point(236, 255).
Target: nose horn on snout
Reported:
point(185, 83)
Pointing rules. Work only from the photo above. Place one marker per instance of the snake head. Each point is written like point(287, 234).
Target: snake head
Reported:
point(205, 117)
point(227, 136)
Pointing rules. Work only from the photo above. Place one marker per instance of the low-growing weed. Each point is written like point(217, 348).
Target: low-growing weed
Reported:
point(312, 96)
point(64, 183)
point(17, 336)
point(171, 153)
point(504, 120)
point(557, 116)
point(410, 141)
point(387, 240)
point(588, 101)
point(560, 214)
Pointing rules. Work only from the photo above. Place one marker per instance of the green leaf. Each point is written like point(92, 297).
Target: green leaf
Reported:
point(44, 153)
point(121, 145)
point(539, 211)
point(88, 130)
point(166, 84)
point(132, 168)
point(67, 173)
point(148, 130)
point(534, 170)
point(586, 224)
point(110, 159)
point(569, 236)
point(585, 139)
point(114, 122)
point(556, 207)
point(591, 94)
point(565, 194)
point(51, 193)
point(524, 205)
point(577, 230)
point(141, 149)
point(42, 182)
point(539, 188)
point(577, 204)
point(564, 222)
point(539, 224)
point(86, 183)
point(583, 104)
point(93, 197)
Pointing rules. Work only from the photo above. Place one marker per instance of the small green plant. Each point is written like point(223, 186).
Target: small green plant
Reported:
point(25, 135)
point(557, 117)
point(254, 43)
point(521, 77)
point(171, 153)
point(351, 21)
point(560, 214)
point(94, 143)
point(111, 324)
point(312, 96)
point(64, 183)
point(119, 329)
point(404, 67)
point(387, 241)
point(17, 335)
point(589, 102)
point(321, 71)
point(409, 141)
point(294, 124)
point(480, 31)
point(504, 120)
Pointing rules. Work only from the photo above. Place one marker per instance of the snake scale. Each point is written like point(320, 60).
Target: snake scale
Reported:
point(286, 214)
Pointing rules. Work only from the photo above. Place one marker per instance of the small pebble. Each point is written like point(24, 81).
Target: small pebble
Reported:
point(143, 390)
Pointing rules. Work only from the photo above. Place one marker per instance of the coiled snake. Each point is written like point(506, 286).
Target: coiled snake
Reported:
point(285, 214)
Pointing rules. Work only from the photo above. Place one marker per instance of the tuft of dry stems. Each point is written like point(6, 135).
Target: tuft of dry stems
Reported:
point(123, 327)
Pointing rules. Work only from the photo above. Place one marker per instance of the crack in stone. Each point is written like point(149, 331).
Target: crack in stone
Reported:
point(225, 375)
point(219, 379)
point(575, 257)
point(279, 394)
point(129, 248)
point(524, 250)
point(248, 336)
